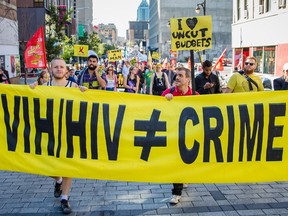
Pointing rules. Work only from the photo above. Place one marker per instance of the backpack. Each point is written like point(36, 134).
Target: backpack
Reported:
point(159, 83)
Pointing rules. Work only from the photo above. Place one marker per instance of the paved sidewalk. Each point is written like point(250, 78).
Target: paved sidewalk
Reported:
point(26, 194)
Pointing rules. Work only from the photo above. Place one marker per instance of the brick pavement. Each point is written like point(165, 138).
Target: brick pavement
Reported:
point(26, 194)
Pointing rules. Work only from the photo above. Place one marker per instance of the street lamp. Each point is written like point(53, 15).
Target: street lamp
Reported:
point(197, 10)
point(203, 5)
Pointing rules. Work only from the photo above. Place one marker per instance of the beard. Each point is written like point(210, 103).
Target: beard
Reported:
point(248, 71)
point(92, 67)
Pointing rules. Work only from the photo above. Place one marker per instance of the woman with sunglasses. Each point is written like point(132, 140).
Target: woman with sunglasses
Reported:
point(111, 79)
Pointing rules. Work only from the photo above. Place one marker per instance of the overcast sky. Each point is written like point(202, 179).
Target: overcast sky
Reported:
point(119, 12)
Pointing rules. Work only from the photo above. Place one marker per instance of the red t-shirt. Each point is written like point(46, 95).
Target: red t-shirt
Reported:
point(178, 92)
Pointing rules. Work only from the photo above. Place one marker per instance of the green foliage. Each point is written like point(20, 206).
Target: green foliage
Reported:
point(92, 40)
point(103, 48)
point(55, 31)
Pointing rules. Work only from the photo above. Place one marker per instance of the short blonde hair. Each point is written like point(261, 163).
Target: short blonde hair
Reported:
point(253, 58)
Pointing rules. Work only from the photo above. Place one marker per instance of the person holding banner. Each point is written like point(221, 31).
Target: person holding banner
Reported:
point(247, 81)
point(181, 88)
point(92, 77)
point(207, 82)
point(131, 81)
point(62, 184)
point(281, 83)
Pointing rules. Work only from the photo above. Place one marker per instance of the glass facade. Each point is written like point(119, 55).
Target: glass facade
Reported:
point(266, 59)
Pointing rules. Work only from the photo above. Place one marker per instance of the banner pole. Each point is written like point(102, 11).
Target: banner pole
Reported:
point(192, 72)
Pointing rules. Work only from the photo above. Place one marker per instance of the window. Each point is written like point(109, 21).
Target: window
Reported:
point(238, 10)
point(268, 5)
point(269, 60)
point(258, 53)
point(38, 3)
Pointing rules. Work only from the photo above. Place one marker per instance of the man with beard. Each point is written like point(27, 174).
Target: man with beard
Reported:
point(207, 82)
point(247, 81)
point(181, 88)
point(62, 184)
point(92, 77)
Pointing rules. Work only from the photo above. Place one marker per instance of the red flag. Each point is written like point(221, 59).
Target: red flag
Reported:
point(35, 53)
point(219, 63)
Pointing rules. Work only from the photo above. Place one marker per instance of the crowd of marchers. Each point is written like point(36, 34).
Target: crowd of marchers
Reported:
point(144, 78)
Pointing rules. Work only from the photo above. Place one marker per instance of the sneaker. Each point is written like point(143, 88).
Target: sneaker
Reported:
point(185, 185)
point(66, 209)
point(175, 199)
point(57, 190)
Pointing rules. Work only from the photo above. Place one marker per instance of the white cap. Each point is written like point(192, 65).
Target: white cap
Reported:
point(285, 67)
point(92, 53)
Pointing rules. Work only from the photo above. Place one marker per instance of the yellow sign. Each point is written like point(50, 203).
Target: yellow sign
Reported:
point(114, 55)
point(191, 33)
point(56, 131)
point(81, 50)
point(156, 55)
point(133, 61)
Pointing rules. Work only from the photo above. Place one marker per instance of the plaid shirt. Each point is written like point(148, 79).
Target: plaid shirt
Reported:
point(91, 82)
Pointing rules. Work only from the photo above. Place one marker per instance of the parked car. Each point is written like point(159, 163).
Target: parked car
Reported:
point(267, 81)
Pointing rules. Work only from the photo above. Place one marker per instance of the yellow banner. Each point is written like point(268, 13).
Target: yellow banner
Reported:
point(191, 33)
point(156, 55)
point(81, 50)
point(114, 55)
point(120, 136)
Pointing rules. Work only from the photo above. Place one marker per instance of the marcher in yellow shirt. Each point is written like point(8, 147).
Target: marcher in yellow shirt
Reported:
point(246, 82)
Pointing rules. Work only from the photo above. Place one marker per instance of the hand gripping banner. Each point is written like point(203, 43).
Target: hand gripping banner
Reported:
point(58, 131)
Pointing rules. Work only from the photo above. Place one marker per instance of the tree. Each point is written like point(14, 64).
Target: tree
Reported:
point(55, 31)
point(92, 40)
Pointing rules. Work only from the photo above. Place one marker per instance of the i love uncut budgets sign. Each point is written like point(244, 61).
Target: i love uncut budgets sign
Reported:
point(120, 136)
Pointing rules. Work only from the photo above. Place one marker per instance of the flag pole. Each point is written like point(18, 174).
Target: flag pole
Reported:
point(192, 72)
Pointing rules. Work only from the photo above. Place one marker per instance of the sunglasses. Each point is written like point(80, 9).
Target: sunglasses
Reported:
point(249, 63)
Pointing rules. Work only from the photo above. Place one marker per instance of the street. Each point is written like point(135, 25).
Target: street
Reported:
point(26, 194)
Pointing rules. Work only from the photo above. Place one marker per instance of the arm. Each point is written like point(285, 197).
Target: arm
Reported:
point(33, 85)
point(137, 85)
point(151, 83)
point(227, 90)
point(116, 81)
point(144, 86)
point(125, 83)
point(167, 94)
point(100, 80)
point(166, 80)
point(82, 88)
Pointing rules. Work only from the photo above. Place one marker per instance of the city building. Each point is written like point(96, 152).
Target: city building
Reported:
point(84, 16)
point(138, 32)
point(143, 11)
point(259, 29)
point(159, 30)
point(9, 45)
point(107, 33)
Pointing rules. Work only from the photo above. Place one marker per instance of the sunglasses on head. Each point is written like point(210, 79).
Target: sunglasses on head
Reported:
point(249, 63)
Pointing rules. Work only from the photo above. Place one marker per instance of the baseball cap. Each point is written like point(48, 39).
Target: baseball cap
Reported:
point(91, 53)
point(285, 67)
